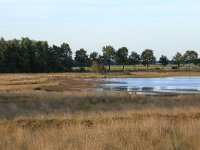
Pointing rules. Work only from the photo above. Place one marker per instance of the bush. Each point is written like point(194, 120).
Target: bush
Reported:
point(97, 68)
point(174, 67)
point(157, 68)
point(82, 69)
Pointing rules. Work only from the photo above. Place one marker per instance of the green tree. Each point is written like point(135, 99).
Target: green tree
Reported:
point(81, 57)
point(42, 54)
point(27, 49)
point(121, 56)
point(178, 58)
point(2, 50)
point(38, 56)
point(147, 57)
point(94, 56)
point(66, 56)
point(134, 59)
point(190, 56)
point(108, 54)
point(27, 55)
point(13, 57)
point(52, 59)
point(164, 60)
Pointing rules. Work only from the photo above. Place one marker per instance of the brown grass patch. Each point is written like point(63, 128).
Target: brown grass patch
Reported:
point(92, 120)
point(33, 120)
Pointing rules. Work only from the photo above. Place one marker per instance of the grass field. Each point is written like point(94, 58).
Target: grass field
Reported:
point(75, 119)
point(42, 120)
point(141, 67)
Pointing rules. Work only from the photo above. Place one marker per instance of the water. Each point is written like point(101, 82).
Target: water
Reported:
point(181, 85)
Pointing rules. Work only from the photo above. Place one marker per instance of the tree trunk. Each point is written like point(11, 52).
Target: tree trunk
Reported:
point(123, 66)
point(178, 65)
point(109, 65)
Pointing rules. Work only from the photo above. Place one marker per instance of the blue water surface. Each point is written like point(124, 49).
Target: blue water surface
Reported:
point(183, 85)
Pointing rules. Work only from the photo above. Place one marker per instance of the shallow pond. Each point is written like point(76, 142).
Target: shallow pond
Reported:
point(179, 85)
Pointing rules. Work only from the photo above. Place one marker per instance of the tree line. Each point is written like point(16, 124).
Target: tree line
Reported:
point(31, 56)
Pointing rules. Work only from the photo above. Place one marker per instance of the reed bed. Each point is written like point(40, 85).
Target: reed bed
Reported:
point(96, 120)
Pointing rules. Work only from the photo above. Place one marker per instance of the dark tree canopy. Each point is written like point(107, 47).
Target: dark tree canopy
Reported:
point(121, 56)
point(28, 56)
point(147, 57)
point(81, 57)
point(94, 56)
point(164, 60)
point(134, 59)
point(178, 58)
point(108, 54)
point(190, 56)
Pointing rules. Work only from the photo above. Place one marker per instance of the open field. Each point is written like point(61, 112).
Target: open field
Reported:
point(42, 120)
point(151, 67)
point(68, 117)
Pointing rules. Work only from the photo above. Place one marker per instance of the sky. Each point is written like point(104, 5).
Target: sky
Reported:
point(166, 26)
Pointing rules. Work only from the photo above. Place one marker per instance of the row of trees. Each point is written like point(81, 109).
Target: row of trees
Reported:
point(27, 55)
point(147, 57)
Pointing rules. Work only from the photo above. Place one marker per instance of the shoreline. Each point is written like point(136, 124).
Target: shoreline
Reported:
point(69, 82)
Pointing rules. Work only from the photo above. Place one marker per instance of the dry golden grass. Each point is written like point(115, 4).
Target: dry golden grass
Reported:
point(92, 120)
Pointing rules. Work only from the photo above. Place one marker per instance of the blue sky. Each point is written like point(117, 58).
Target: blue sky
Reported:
point(166, 26)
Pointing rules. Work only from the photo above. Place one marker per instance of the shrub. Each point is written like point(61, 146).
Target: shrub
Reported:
point(82, 69)
point(97, 68)
point(174, 67)
point(157, 68)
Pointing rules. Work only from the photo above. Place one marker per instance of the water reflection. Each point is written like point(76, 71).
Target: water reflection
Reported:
point(183, 85)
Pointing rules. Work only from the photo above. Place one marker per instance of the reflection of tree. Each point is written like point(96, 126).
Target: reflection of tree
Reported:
point(127, 88)
point(147, 88)
point(116, 88)
point(130, 89)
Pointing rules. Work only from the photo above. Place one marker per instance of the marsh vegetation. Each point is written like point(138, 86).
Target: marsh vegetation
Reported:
point(107, 120)
point(51, 111)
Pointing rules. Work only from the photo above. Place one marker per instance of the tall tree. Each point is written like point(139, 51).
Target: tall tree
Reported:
point(38, 56)
point(178, 58)
point(147, 57)
point(164, 60)
point(27, 49)
point(108, 54)
point(42, 55)
point(121, 56)
point(52, 60)
point(66, 56)
point(2, 50)
point(13, 58)
point(134, 59)
point(190, 56)
point(81, 57)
